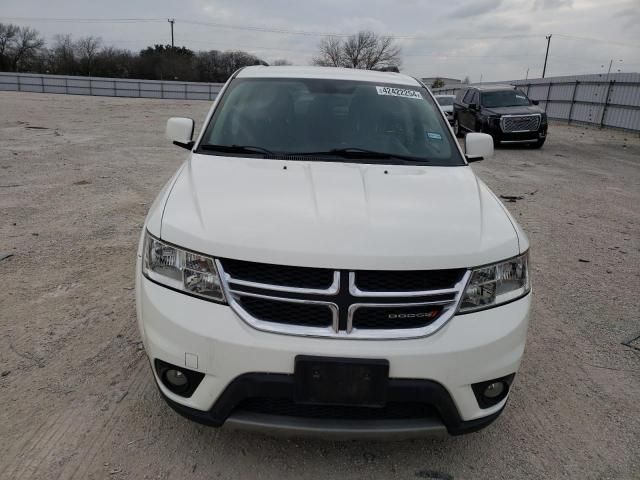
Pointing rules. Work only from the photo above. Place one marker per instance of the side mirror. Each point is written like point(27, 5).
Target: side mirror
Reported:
point(180, 131)
point(478, 146)
point(534, 102)
point(473, 106)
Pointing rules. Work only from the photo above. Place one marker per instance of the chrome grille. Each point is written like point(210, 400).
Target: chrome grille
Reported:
point(355, 304)
point(520, 123)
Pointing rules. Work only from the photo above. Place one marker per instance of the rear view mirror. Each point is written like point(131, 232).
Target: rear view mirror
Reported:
point(478, 146)
point(534, 102)
point(473, 106)
point(180, 131)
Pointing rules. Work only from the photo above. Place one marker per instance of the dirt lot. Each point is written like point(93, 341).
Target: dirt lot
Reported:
point(77, 398)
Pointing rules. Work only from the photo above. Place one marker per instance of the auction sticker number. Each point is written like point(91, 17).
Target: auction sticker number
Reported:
point(399, 92)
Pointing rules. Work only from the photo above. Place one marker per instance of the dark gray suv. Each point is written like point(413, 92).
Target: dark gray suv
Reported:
point(503, 111)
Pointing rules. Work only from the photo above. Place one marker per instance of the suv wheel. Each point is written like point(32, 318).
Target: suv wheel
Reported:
point(538, 143)
point(456, 128)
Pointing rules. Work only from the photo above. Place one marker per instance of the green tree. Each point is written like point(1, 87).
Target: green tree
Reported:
point(437, 83)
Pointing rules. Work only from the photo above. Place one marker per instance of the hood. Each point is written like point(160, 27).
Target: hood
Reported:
point(517, 110)
point(336, 215)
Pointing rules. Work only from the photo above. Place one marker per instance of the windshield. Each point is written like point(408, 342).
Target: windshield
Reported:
point(445, 101)
point(506, 98)
point(329, 120)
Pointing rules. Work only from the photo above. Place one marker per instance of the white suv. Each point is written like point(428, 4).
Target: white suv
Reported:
point(325, 261)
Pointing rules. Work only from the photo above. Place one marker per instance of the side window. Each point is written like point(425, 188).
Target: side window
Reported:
point(460, 94)
point(476, 98)
point(467, 97)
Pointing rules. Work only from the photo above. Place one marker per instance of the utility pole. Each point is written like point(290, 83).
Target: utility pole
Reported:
point(544, 69)
point(527, 75)
point(610, 65)
point(172, 21)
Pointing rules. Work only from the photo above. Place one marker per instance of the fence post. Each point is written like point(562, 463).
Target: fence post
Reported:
point(161, 89)
point(546, 102)
point(42, 82)
point(115, 88)
point(18, 77)
point(90, 87)
point(66, 86)
point(606, 102)
point(185, 91)
point(573, 100)
point(210, 92)
point(139, 90)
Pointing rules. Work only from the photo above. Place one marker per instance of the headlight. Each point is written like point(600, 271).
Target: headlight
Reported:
point(495, 284)
point(181, 270)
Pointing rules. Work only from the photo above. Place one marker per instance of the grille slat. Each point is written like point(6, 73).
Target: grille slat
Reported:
point(283, 275)
point(308, 315)
point(407, 281)
point(521, 123)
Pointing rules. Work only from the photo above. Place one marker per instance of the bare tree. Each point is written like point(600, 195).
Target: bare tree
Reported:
point(8, 35)
point(357, 47)
point(382, 53)
point(281, 62)
point(62, 56)
point(365, 50)
point(87, 49)
point(27, 44)
point(330, 54)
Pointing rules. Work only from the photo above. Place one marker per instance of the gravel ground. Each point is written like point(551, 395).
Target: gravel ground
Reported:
point(76, 177)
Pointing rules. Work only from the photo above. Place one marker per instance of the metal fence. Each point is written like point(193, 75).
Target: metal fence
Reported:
point(602, 100)
point(108, 87)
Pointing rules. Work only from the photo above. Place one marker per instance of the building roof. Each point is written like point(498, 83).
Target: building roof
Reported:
point(334, 73)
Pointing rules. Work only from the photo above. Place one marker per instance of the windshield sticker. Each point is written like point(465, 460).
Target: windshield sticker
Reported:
point(434, 136)
point(399, 92)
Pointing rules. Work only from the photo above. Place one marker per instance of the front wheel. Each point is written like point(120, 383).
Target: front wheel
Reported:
point(456, 128)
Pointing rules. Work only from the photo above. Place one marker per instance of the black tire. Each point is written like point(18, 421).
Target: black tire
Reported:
point(456, 128)
point(538, 143)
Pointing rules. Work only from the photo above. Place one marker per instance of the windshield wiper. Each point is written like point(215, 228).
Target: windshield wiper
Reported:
point(236, 149)
point(356, 152)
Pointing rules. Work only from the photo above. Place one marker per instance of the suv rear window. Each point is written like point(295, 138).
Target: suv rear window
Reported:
point(330, 120)
point(445, 101)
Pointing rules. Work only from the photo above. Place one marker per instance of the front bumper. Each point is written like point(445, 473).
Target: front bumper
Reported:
point(210, 338)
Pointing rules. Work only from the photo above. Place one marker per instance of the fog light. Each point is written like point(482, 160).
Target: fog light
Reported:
point(176, 378)
point(494, 390)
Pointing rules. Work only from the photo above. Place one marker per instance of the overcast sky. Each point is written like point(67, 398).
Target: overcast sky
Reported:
point(498, 39)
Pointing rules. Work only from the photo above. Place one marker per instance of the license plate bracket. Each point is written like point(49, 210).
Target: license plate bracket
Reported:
point(341, 381)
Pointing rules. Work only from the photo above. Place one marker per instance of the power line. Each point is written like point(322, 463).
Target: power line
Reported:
point(287, 31)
